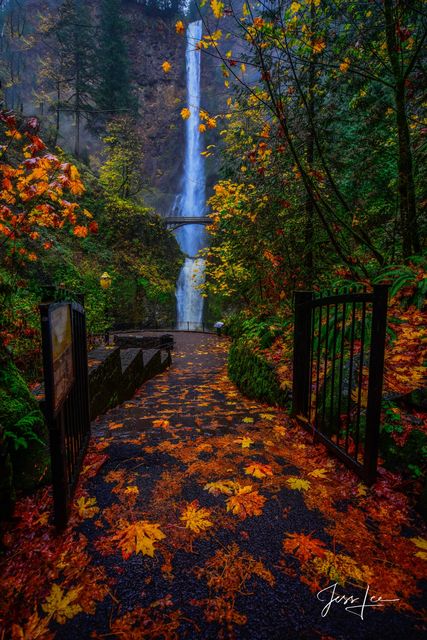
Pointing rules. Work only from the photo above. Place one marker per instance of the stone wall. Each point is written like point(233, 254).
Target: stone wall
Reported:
point(115, 373)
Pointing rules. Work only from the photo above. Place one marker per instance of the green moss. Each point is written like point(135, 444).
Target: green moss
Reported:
point(255, 377)
point(23, 438)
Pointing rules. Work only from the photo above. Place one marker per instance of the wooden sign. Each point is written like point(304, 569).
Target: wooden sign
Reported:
point(62, 353)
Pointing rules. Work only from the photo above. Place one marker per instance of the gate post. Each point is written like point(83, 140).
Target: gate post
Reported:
point(55, 426)
point(302, 352)
point(375, 383)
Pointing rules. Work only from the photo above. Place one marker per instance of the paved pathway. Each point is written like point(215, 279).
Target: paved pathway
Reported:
point(202, 514)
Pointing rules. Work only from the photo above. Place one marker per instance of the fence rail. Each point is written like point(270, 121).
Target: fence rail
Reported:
point(202, 327)
point(338, 366)
point(66, 398)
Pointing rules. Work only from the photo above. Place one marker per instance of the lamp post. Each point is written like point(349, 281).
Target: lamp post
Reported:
point(105, 282)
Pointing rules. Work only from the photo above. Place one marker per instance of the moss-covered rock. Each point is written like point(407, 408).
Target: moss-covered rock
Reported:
point(23, 437)
point(254, 376)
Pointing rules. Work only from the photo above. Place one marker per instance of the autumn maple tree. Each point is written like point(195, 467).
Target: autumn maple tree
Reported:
point(35, 185)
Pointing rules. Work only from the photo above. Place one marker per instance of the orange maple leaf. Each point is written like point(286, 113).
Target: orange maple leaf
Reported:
point(303, 546)
point(80, 231)
point(179, 27)
point(136, 537)
point(259, 470)
point(246, 503)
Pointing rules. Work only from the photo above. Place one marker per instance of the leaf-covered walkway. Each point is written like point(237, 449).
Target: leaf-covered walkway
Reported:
point(202, 514)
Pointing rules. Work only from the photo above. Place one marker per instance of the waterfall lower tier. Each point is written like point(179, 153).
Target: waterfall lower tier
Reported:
point(188, 298)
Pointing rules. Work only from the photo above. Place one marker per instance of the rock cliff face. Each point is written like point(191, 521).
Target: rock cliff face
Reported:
point(151, 41)
point(161, 98)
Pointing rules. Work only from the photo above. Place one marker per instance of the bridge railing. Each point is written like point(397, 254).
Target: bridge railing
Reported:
point(202, 327)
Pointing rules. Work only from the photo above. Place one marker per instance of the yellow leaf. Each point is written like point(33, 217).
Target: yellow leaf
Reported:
point(61, 605)
point(202, 128)
point(259, 470)
point(179, 27)
point(227, 487)
point(217, 8)
point(281, 431)
point(319, 45)
point(361, 490)
point(185, 113)
point(139, 536)
point(245, 442)
point(318, 473)
point(196, 519)
point(298, 483)
point(87, 507)
point(295, 6)
point(421, 543)
point(115, 425)
point(166, 66)
point(248, 420)
point(344, 66)
point(132, 490)
point(162, 424)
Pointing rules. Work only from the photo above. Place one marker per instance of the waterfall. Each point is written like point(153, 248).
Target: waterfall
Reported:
point(191, 201)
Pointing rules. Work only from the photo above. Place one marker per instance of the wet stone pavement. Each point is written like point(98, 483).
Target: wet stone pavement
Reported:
point(203, 514)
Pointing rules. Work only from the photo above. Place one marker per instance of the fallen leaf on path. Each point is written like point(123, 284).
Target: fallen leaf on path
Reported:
point(87, 507)
point(246, 502)
point(298, 483)
point(259, 470)
point(61, 605)
point(196, 519)
point(303, 546)
point(318, 473)
point(227, 487)
point(245, 442)
point(138, 537)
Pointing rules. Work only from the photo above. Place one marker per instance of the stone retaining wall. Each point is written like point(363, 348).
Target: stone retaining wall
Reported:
point(115, 374)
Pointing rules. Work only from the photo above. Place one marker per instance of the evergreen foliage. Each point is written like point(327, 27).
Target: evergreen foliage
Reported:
point(74, 36)
point(112, 94)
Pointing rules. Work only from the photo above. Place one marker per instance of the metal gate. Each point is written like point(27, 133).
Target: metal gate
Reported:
point(338, 367)
point(66, 397)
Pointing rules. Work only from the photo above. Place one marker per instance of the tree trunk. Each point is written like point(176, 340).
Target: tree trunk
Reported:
point(77, 136)
point(309, 204)
point(407, 201)
point(406, 185)
point(58, 103)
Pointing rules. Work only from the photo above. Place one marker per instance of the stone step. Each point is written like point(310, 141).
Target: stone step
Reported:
point(127, 357)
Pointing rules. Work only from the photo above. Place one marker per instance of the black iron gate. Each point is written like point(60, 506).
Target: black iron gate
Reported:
point(66, 397)
point(338, 367)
